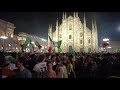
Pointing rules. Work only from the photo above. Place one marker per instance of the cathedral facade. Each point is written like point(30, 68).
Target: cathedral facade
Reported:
point(75, 34)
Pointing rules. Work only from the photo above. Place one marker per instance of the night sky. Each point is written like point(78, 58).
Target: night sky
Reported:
point(36, 23)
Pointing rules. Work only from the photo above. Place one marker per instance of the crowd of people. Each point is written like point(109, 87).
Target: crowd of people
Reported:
point(59, 65)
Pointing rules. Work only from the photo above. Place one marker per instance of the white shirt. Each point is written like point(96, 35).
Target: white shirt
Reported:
point(40, 67)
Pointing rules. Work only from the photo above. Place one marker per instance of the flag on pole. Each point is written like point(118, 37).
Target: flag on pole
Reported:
point(50, 38)
point(37, 44)
point(72, 52)
point(51, 46)
point(26, 42)
point(50, 50)
point(59, 44)
point(51, 41)
point(59, 50)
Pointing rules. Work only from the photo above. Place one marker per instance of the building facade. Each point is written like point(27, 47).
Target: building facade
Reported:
point(13, 42)
point(6, 30)
point(75, 34)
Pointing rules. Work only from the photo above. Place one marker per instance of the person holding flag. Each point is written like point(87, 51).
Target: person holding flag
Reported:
point(25, 45)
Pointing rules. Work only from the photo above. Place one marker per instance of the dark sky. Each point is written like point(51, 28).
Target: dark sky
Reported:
point(36, 23)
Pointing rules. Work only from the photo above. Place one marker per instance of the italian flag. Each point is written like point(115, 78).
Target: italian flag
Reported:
point(25, 45)
point(37, 44)
point(51, 46)
point(26, 42)
point(51, 41)
point(59, 45)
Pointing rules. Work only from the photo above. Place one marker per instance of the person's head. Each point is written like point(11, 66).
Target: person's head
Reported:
point(49, 65)
point(69, 59)
point(89, 58)
point(9, 59)
point(41, 58)
point(32, 56)
point(20, 62)
point(57, 59)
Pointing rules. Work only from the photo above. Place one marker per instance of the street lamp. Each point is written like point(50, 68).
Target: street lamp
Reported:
point(106, 39)
point(44, 40)
point(3, 37)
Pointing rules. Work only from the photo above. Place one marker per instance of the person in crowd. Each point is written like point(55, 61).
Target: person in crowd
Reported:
point(70, 70)
point(22, 71)
point(9, 64)
point(31, 62)
point(60, 69)
point(49, 73)
point(41, 67)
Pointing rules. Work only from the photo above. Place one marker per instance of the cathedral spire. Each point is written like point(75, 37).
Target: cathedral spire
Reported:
point(84, 20)
point(93, 28)
point(84, 37)
point(74, 14)
point(77, 14)
point(49, 30)
point(95, 24)
point(57, 23)
point(65, 15)
point(51, 27)
point(96, 35)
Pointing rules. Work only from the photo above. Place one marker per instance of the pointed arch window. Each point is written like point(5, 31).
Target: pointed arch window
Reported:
point(81, 34)
point(81, 41)
point(70, 36)
point(89, 41)
point(60, 36)
point(70, 27)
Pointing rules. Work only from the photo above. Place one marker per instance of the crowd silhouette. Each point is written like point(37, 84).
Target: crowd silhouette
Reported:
point(59, 65)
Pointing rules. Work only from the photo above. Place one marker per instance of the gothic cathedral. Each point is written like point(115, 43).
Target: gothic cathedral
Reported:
point(75, 34)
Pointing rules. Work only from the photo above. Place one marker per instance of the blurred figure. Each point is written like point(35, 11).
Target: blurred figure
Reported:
point(23, 72)
point(50, 73)
point(31, 62)
point(70, 71)
point(60, 69)
point(40, 68)
point(9, 64)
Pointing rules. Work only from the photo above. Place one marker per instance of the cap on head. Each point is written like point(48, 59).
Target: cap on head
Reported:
point(10, 58)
